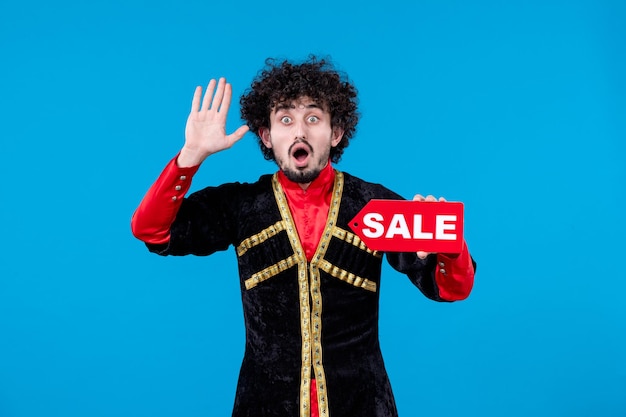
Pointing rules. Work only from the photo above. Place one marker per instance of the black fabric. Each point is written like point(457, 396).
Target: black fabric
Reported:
point(269, 382)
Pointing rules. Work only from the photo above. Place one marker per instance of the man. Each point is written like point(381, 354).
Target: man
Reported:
point(310, 288)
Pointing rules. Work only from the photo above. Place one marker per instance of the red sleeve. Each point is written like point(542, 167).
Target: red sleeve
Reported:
point(455, 275)
point(152, 220)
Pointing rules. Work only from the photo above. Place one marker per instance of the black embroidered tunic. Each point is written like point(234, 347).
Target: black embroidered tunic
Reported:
point(304, 320)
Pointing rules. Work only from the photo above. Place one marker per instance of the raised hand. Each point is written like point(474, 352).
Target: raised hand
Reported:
point(205, 132)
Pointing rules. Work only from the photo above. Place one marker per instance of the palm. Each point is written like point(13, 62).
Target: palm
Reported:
point(205, 133)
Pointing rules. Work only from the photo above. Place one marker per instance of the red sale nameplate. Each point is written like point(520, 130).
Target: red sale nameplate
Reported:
point(410, 226)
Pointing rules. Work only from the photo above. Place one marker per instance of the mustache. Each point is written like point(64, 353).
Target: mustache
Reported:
point(300, 141)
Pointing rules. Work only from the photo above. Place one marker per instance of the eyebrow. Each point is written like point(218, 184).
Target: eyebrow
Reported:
point(286, 106)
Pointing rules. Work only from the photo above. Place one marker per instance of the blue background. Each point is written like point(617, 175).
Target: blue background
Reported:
point(515, 108)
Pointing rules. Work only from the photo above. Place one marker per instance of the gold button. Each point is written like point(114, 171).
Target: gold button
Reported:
point(183, 177)
point(178, 188)
point(174, 198)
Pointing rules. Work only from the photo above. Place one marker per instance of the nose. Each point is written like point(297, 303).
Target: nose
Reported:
point(299, 130)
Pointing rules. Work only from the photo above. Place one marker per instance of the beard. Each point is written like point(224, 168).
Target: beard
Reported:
point(302, 177)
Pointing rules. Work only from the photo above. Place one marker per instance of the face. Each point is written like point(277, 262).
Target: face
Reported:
point(301, 136)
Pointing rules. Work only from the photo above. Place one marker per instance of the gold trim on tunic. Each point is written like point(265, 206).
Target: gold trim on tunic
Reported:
point(309, 290)
point(303, 296)
point(260, 237)
point(353, 239)
point(316, 295)
point(346, 276)
point(270, 271)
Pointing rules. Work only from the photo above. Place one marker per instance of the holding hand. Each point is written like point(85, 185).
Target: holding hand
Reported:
point(419, 197)
point(205, 133)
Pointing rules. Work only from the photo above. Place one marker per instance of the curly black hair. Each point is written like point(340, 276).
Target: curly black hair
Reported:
point(286, 81)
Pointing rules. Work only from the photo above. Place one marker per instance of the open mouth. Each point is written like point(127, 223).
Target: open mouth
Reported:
point(300, 153)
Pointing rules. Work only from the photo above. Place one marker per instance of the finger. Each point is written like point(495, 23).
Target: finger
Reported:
point(418, 197)
point(219, 94)
point(238, 134)
point(228, 94)
point(430, 198)
point(442, 199)
point(422, 255)
point(206, 101)
point(195, 102)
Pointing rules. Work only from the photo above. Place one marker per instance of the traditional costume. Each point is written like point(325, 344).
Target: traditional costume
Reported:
point(310, 287)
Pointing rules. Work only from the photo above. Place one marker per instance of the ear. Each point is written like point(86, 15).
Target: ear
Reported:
point(337, 136)
point(264, 133)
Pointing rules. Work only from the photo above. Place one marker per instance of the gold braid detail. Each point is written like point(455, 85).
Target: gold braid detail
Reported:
point(303, 296)
point(270, 271)
point(346, 276)
point(316, 295)
point(260, 237)
point(354, 240)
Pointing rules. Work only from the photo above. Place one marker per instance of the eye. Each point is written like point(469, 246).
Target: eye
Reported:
point(285, 119)
point(313, 119)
